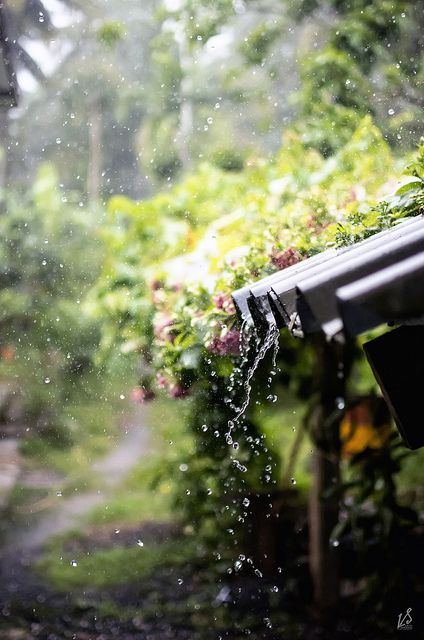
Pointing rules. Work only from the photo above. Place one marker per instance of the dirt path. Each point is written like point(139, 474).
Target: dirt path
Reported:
point(110, 472)
point(9, 468)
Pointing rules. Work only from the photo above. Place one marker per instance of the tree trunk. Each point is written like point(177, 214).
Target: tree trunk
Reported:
point(95, 141)
point(5, 157)
point(185, 124)
point(332, 367)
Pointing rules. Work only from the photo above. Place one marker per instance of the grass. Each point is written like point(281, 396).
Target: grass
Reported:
point(115, 566)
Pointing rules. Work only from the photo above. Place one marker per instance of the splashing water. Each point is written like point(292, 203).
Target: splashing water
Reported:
point(270, 340)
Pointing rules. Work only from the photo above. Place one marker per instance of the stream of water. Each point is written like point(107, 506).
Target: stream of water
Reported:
point(248, 340)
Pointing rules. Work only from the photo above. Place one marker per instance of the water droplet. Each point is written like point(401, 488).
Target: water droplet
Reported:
point(122, 397)
point(246, 502)
point(59, 494)
point(188, 492)
point(183, 467)
point(292, 480)
point(47, 380)
point(209, 492)
point(258, 573)
point(391, 112)
point(335, 542)
point(272, 398)
point(340, 403)
point(73, 563)
point(180, 581)
point(204, 427)
point(140, 543)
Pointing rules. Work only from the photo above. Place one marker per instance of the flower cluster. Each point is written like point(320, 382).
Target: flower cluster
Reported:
point(227, 344)
point(286, 258)
point(140, 395)
point(224, 302)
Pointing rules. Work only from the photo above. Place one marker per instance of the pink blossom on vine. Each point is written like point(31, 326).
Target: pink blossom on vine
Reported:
point(162, 328)
point(224, 302)
point(177, 390)
point(227, 344)
point(286, 258)
point(141, 395)
point(161, 381)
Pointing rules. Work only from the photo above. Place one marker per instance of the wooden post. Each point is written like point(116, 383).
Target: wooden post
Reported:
point(332, 367)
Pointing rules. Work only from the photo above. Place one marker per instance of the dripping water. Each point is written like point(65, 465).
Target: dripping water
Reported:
point(270, 340)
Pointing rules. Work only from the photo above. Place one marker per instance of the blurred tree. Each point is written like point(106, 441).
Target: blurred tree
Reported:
point(49, 255)
point(95, 103)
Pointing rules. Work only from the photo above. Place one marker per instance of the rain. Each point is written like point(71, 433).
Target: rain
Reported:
point(211, 319)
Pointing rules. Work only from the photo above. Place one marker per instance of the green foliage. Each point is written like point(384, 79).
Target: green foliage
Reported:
point(48, 262)
point(256, 46)
point(367, 40)
point(110, 33)
point(228, 159)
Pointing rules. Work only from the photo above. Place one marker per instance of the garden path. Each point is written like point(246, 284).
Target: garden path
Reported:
point(109, 473)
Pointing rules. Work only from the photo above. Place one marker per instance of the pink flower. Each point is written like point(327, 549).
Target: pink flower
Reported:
point(156, 284)
point(226, 345)
point(224, 302)
point(177, 390)
point(162, 328)
point(286, 258)
point(141, 394)
point(161, 381)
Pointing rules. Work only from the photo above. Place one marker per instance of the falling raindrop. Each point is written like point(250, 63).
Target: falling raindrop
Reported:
point(340, 403)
